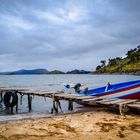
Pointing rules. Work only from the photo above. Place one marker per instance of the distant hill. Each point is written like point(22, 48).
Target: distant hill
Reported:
point(23, 71)
point(43, 71)
point(130, 64)
point(56, 72)
point(78, 72)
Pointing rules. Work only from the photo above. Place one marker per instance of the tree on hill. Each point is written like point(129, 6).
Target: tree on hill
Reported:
point(129, 64)
point(130, 52)
point(98, 67)
point(134, 54)
point(103, 63)
point(114, 61)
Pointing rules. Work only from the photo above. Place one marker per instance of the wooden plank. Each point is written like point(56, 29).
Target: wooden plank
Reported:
point(106, 101)
point(138, 102)
point(110, 102)
point(77, 97)
point(94, 98)
point(127, 102)
point(35, 93)
point(137, 106)
point(85, 97)
point(62, 95)
point(110, 99)
point(27, 91)
point(117, 101)
point(13, 89)
point(72, 96)
point(66, 96)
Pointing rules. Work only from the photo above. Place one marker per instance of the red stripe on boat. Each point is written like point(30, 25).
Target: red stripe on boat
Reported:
point(132, 96)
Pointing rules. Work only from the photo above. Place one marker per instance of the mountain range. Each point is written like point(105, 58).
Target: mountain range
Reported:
point(23, 71)
point(43, 71)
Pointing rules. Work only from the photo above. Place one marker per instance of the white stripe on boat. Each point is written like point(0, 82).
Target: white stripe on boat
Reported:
point(122, 93)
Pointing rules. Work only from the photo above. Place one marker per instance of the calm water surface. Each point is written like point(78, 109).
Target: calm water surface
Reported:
point(53, 83)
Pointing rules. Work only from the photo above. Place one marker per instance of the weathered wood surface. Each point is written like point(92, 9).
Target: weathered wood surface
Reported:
point(12, 89)
point(94, 98)
point(127, 102)
point(72, 97)
point(137, 106)
point(116, 102)
point(134, 105)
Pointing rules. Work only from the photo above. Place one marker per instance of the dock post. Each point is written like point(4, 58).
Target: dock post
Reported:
point(1, 97)
point(29, 102)
point(70, 105)
point(11, 110)
point(17, 106)
point(123, 108)
point(55, 106)
point(59, 105)
point(21, 95)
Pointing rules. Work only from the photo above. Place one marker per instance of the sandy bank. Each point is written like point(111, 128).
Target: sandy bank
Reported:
point(97, 125)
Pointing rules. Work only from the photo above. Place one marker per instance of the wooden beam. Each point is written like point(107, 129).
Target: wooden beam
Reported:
point(136, 106)
point(17, 106)
point(70, 105)
point(1, 97)
point(126, 101)
point(29, 102)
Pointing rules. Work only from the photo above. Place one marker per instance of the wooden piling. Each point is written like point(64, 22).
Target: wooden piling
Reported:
point(54, 108)
point(1, 96)
point(29, 102)
point(11, 110)
point(70, 105)
point(55, 105)
point(59, 105)
point(123, 109)
point(17, 106)
point(21, 97)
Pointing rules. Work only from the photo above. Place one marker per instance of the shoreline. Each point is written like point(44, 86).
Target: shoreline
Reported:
point(31, 115)
point(97, 124)
point(92, 73)
point(115, 73)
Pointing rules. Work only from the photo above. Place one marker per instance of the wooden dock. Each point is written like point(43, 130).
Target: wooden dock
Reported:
point(122, 104)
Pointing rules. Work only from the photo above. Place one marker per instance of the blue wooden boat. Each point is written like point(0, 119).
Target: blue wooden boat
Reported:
point(125, 90)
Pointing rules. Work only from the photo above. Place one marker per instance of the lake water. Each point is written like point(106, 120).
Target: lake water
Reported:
point(52, 83)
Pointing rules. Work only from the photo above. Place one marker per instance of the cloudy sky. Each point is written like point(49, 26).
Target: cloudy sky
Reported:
point(66, 34)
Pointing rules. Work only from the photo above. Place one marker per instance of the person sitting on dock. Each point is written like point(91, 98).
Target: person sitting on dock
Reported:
point(77, 88)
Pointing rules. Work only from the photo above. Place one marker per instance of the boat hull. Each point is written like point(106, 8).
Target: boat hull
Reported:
point(126, 93)
point(125, 90)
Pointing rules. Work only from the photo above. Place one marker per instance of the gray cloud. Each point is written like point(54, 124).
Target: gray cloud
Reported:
point(66, 34)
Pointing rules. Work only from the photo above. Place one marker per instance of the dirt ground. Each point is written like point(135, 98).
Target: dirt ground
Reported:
point(97, 125)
